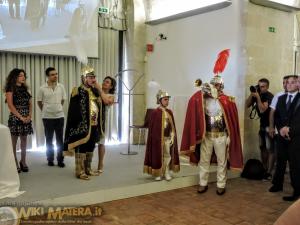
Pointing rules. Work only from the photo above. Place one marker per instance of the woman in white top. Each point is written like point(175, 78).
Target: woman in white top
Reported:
point(107, 92)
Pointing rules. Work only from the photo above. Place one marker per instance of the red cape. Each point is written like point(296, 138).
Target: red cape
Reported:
point(194, 129)
point(153, 163)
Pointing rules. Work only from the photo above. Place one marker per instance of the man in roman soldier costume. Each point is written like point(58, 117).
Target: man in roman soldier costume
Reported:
point(211, 125)
point(161, 151)
point(84, 124)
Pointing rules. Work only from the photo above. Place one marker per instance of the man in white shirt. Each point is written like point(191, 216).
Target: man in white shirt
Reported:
point(287, 122)
point(273, 106)
point(50, 100)
point(277, 180)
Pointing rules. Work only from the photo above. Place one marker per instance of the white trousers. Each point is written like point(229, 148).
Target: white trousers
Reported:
point(207, 146)
point(167, 155)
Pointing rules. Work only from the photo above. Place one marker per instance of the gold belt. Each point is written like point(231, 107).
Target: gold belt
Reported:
point(215, 134)
point(94, 123)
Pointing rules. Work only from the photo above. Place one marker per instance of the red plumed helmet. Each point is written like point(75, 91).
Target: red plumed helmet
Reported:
point(221, 61)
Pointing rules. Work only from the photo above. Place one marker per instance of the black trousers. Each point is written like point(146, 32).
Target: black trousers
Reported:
point(281, 161)
point(294, 164)
point(89, 146)
point(288, 151)
point(52, 126)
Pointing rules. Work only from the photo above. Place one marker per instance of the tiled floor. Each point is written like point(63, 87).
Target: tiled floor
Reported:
point(245, 202)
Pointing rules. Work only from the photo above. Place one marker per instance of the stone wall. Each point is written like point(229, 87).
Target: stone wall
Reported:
point(269, 55)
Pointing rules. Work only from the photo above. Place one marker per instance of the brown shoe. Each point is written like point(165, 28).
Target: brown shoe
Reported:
point(220, 191)
point(202, 189)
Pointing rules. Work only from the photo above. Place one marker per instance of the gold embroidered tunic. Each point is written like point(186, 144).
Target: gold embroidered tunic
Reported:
point(94, 110)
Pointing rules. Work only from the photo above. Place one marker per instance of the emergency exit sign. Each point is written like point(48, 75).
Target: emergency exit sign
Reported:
point(272, 29)
point(103, 10)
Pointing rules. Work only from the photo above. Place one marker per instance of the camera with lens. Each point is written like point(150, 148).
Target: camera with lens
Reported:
point(254, 89)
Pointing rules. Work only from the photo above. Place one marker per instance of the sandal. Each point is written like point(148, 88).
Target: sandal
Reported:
point(24, 168)
point(83, 176)
point(92, 173)
point(99, 171)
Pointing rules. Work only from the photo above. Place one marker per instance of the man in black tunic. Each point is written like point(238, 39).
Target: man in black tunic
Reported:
point(84, 124)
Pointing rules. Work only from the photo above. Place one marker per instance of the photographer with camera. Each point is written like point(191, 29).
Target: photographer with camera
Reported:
point(260, 99)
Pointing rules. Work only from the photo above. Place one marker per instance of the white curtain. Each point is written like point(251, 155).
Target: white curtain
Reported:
point(108, 66)
point(69, 75)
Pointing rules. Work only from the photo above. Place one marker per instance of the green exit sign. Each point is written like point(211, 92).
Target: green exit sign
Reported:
point(272, 29)
point(103, 10)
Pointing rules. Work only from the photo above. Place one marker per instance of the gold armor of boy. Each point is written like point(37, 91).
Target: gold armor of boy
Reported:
point(161, 94)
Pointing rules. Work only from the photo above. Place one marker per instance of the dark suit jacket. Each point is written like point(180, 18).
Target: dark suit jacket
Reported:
point(291, 117)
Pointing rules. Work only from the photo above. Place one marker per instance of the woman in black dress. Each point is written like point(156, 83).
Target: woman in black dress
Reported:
point(19, 103)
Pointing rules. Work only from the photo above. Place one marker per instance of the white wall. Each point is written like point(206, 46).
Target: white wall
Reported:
point(190, 52)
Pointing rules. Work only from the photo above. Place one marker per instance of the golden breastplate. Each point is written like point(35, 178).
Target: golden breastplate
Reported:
point(215, 123)
point(214, 118)
point(167, 127)
point(94, 110)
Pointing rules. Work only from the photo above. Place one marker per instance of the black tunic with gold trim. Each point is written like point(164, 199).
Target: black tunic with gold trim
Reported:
point(80, 119)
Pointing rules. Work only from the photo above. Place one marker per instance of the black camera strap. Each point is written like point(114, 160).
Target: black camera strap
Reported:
point(253, 112)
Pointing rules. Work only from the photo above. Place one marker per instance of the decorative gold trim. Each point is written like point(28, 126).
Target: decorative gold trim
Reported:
point(234, 168)
point(187, 152)
point(154, 172)
point(231, 98)
point(100, 117)
point(227, 150)
point(70, 152)
point(203, 116)
point(163, 117)
point(72, 145)
point(225, 118)
point(172, 122)
point(172, 147)
point(215, 134)
point(74, 91)
point(80, 142)
point(193, 147)
point(176, 168)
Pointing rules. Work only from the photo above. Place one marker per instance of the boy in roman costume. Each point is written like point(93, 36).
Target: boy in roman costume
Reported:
point(161, 150)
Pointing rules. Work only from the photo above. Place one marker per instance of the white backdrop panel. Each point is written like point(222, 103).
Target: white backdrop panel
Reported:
point(58, 27)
